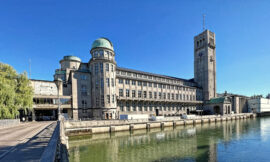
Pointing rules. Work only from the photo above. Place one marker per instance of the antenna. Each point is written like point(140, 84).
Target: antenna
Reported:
point(203, 22)
point(29, 68)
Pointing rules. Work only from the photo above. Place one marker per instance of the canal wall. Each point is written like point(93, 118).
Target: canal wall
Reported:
point(94, 127)
point(9, 123)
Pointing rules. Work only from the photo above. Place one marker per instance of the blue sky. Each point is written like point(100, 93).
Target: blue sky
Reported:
point(142, 31)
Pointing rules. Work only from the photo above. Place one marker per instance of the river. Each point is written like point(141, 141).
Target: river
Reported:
point(238, 140)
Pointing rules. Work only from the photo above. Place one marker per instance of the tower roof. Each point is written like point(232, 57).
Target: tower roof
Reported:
point(72, 58)
point(103, 43)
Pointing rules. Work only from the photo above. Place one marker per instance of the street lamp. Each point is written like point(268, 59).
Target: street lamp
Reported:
point(58, 83)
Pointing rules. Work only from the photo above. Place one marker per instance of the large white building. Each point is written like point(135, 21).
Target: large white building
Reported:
point(100, 89)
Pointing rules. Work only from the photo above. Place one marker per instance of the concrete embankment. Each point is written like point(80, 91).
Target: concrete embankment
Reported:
point(94, 127)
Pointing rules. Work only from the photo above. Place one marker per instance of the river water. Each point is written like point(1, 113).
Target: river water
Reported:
point(239, 140)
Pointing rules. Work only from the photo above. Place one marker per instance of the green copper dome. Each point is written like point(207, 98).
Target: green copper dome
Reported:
point(102, 42)
point(72, 58)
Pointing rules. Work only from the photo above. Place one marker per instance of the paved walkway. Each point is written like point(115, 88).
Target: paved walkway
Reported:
point(25, 142)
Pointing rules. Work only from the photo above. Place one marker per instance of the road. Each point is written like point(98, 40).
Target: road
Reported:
point(14, 140)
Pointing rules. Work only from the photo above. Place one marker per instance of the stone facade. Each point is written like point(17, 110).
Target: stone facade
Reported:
point(100, 89)
point(205, 63)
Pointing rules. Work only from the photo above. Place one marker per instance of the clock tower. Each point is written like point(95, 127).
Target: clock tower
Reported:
point(205, 63)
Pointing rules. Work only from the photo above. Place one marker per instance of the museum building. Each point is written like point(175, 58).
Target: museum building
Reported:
point(100, 89)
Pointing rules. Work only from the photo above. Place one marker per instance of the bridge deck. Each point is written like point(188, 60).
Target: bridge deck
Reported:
point(25, 142)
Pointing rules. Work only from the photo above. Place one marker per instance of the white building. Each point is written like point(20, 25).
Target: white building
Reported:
point(259, 105)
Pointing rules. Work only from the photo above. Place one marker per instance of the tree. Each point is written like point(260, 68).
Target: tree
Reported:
point(15, 92)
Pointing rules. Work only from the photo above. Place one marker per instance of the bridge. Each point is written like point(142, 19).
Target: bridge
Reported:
point(31, 141)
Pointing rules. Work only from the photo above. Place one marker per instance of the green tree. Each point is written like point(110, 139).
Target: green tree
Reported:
point(15, 92)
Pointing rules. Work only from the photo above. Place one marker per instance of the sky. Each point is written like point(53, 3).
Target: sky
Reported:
point(149, 35)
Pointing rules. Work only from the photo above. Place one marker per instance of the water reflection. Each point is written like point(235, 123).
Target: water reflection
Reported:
point(207, 142)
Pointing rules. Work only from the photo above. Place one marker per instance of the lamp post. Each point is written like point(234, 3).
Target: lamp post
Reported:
point(58, 83)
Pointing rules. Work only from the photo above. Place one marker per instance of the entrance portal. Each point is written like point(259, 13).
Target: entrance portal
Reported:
point(216, 110)
point(43, 115)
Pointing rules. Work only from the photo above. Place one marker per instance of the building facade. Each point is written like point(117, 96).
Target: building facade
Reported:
point(100, 89)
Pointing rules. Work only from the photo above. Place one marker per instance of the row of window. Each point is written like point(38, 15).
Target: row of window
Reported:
point(155, 85)
point(140, 107)
point(101, 53)
point(109, 99)
point(109, 82)
point(98, 67)
point(151, 77)
point(155, 95)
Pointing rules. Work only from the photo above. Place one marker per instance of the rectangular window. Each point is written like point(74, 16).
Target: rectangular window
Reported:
point(121, 92)
point(159, 85)
point(108, 99)
point(127, 92)
point(159, 95)
point(107, 67)
point(112, 80)
point(101, 67)
point(155, 85)
point(112, 98)
point(96, 84)
point(150, 94)
point(168, 86)
point(84, 103)
point(120, 81)
point(83, 90)
point(102, 100)
point(140, 106)
point(145, 107)
point(155, 95)
point(127, 106)
point(144, 94)
point(172, 96)
point(139, 94)
point(96, 68)
point(133, 107)
point(133, 93)
point(97, 101)
point(127, 81)
point(144, 84)
point(164, 95)
point(121, 106)
point(83, 77)
point(133, 82)
point(112, 68)
point(164, 86)
point(150, 84)
point(177, 96)
point(108, 82)
point(102, 83)
point(169, 96)
point(180, 96)
point(139, 83)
